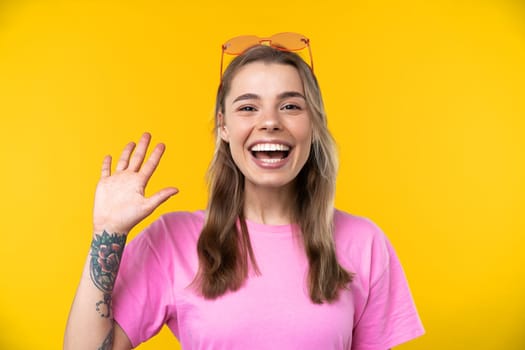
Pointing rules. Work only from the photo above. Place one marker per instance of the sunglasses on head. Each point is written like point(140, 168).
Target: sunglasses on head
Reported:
point(282, 41)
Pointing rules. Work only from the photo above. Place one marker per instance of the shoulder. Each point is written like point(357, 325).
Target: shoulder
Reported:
point(361, 244)
point(385, 314)
point(179, 228)
point(355, 229)
point(180, 220)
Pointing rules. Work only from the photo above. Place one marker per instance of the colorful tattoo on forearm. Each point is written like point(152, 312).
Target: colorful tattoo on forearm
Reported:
point(106, 252)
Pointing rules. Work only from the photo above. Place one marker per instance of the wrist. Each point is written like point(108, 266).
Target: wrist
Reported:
point(99, 229)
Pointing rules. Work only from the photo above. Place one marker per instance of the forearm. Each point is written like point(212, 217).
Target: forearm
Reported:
point(90, 324)
point(119, 205)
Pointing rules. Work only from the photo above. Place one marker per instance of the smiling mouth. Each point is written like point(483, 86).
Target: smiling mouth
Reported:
point(269, 152)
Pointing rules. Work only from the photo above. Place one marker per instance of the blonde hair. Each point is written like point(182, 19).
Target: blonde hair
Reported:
point(224, 247)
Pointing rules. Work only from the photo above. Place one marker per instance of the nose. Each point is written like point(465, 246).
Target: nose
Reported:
point(270, 121)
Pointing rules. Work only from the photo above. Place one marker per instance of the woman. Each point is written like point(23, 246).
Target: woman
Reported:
point(270, 264)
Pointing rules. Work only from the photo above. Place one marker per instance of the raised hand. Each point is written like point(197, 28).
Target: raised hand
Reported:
point(120, 203)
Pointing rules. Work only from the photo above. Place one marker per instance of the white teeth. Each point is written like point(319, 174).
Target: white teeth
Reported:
point(266, 147)
point(270, 160)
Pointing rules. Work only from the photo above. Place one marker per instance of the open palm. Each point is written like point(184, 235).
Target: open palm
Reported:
point(120, 203)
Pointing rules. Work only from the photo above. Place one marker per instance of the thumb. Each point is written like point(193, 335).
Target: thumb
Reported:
point(160, 197)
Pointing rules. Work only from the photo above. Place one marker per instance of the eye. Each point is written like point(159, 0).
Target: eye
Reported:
point(291, 106)
point(246, 109)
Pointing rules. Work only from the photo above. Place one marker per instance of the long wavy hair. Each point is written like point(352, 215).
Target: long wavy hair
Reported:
point(224, 248)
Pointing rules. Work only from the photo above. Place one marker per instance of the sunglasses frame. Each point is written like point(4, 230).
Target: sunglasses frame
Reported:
point(269, 42)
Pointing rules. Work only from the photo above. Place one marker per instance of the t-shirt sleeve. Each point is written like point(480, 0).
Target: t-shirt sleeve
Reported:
point(141, 296)
point(389, 317)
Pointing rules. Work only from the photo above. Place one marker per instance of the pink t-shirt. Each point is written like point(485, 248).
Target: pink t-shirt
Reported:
point(272, 310)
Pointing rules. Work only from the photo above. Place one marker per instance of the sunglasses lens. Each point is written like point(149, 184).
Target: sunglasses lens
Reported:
point(237, 45)
point(289, 41)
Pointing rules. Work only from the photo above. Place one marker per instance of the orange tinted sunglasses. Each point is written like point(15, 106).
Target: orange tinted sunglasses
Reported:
point(287, 41)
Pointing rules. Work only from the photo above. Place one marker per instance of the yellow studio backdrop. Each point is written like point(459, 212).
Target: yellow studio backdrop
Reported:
point(426, 100)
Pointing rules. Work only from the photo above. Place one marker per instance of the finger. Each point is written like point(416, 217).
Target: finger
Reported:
point(140, 152)
point(106, 167)
point(160, 197)
point(153, 161)
point(124, 157)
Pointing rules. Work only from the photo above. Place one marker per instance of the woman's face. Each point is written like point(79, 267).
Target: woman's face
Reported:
point(267, 124)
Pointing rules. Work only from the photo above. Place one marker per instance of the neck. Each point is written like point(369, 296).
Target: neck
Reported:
point(272, 206)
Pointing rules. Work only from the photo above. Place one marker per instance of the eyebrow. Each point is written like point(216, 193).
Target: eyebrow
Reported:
point(283, 95)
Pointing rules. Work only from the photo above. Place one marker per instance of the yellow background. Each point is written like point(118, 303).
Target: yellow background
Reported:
point(425, 98)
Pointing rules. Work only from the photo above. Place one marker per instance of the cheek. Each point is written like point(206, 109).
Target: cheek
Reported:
point(236, 139)
point(305, 133)
point(238, 131)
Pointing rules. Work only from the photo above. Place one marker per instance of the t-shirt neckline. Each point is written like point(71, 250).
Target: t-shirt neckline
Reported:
point(255, 227)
